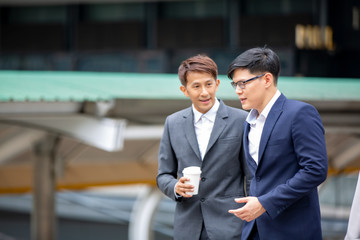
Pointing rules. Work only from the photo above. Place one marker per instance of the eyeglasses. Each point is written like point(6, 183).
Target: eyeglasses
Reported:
point(241, 84)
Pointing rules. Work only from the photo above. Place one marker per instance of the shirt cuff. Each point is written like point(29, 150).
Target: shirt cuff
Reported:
point(176, 195)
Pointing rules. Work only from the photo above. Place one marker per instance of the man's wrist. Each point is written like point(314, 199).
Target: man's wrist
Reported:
point(176, 195)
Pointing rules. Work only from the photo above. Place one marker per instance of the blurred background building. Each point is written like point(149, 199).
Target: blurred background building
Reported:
point(66, 64)
point(312, 37)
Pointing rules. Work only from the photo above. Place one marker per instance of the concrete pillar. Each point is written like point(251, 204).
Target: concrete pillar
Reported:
point(43, 225)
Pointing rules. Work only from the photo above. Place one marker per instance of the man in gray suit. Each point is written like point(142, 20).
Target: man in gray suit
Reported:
point(208, 135)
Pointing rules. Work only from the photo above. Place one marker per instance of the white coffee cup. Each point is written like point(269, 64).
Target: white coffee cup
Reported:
point(193, 173)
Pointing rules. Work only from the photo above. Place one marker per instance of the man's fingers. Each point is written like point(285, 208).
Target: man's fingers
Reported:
point(185, 193)
point(182, 188)
point(234, 211)
point(183, 180)
point(186, 188)
point(238, 213)
point(241, 200)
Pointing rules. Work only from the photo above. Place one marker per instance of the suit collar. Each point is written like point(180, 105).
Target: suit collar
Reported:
point(190, 131)
point(273, 116)
point(254, 114)
point(252, 164)
point(210, 115)
point(271, 120)
point(219, 125)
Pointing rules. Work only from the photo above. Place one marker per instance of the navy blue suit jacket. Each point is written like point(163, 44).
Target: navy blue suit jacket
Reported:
point(292, 163)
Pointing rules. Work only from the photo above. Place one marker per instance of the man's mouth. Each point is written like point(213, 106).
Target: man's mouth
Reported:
point(242, 100)
point(205, 101)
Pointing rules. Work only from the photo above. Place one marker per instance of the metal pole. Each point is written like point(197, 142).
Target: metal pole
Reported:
point(43, 215)
point(1, 23)
point(323, 13)
point(143, 212)
point(151, 25)
point(233, 15)
point(71, 28)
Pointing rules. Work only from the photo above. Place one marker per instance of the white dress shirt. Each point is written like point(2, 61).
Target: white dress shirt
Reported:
point(257, 122)
point(204, 124)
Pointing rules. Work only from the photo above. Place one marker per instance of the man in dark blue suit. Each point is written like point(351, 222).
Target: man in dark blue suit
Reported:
point(285, 150)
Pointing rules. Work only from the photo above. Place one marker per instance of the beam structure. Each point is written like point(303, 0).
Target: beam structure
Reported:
point(103, 133)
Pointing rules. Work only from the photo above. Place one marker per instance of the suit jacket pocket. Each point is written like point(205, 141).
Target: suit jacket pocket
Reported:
point(228, 140)
point(277, 142)
point(229, 201)
point(236, 195)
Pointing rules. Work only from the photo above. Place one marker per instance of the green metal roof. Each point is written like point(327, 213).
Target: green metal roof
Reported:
point(95, 86)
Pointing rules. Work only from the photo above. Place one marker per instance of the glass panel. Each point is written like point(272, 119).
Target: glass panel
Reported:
point(48, 14)
point(278, 7)
point(339, 190)
point(114, 12)
point(193, 9)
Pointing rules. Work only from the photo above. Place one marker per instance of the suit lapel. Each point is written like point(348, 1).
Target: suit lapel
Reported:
point(190, 132)
point(219, 125)
point(271, 120)
point(252, 162)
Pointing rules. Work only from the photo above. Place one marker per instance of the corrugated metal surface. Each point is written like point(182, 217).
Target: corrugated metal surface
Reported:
point(307, 88)
point(80, 86)
point(95, 86)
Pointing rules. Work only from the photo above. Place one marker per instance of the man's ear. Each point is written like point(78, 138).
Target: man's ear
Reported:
point(269, 80)
point(183, 89)
point(217, 82)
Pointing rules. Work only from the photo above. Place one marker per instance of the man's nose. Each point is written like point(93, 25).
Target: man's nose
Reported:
point(238, 90)
point(204, 91)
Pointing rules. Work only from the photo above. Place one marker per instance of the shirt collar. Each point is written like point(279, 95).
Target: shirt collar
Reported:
point(253, 115)
point(210, 115)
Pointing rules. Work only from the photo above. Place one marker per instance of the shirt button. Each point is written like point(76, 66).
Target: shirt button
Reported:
point(203, 179)
point(202, 200)
point(258, 179)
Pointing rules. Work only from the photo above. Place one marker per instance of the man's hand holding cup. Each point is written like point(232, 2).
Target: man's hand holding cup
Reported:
point(188, 185)
point(183, 188)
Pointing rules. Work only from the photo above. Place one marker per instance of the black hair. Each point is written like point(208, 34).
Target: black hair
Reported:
point(198, 63)
point(257, 60)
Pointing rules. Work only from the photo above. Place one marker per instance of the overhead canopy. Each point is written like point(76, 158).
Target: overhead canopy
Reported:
point(132, 108)
point(34, 86)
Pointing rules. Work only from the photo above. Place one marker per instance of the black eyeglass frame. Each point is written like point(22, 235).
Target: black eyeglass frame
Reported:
point(241, 84)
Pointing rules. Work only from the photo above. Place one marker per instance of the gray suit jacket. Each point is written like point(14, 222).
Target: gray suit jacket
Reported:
point(222, 179)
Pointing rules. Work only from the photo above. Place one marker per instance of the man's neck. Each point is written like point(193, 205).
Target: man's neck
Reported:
point(270, 94)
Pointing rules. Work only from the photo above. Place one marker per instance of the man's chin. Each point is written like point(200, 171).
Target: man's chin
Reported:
point(245, 107)
point(205, 108)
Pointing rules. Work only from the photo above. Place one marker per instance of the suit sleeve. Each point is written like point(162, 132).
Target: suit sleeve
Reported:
point(167, 170)
point(310, 151)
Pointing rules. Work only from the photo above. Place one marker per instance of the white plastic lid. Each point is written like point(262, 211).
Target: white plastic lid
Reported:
point(192, 170)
